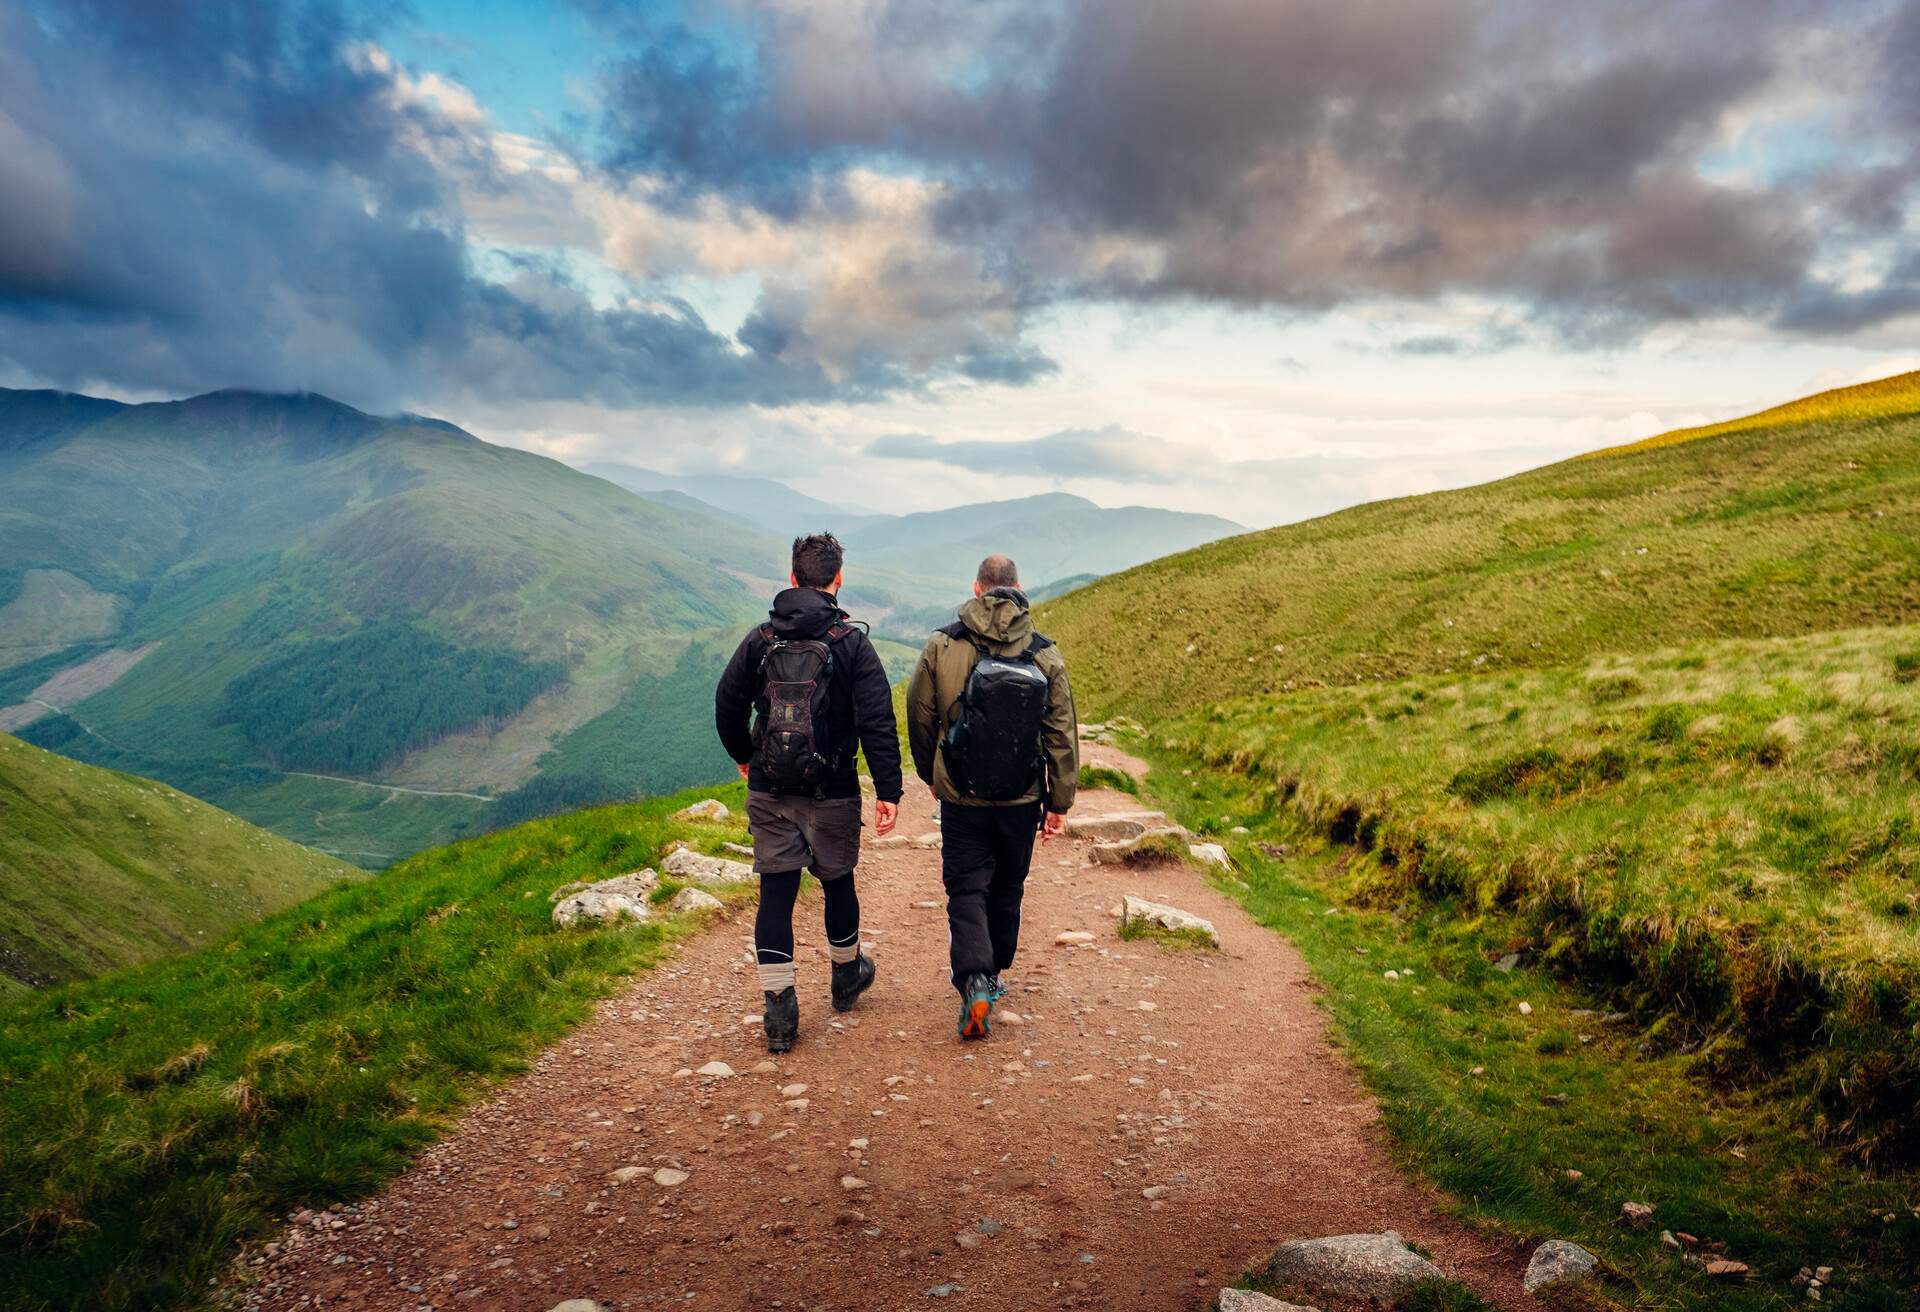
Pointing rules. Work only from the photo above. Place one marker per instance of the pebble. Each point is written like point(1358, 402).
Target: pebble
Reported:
point(792, 1090)
point(852, 1183)
point(625, 1173)
point(717, 1070)
point(667, 1177)
point(1526, 1009)
point(767, 1067)
point(1154, 1191)
point(1073, 938)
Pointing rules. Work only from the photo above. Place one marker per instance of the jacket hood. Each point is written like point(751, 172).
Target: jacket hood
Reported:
point(804, 613)
point(1000, 618)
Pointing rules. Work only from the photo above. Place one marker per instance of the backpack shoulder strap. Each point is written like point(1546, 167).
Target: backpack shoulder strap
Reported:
point(1040, 643)
point(958, 631)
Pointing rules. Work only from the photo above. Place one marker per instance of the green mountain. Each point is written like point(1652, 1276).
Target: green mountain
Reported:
point(357, 631)
point(1647, 715)
point(100, 870)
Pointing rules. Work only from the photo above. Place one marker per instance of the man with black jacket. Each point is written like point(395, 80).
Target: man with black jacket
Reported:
point(814, 688)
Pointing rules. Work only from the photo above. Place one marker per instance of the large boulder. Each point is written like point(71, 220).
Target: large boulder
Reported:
point(1136, 908)
point(710, 809)
point(1380, 1267)
point(692, 867)
point(1248, 1300)
point(1558, 1262)
point(624, 897)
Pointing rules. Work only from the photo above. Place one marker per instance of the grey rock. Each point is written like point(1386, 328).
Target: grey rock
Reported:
point(1558, 1262)
point(693, 867)
point(1118, 827)
point(1247, 1300)
point(1507, 962)
point(1211, 854)
point(623, 897)
point(1378, 1266)
point(579, 1305)
point(711, 809)
point(695, 899)
point(1134, 908)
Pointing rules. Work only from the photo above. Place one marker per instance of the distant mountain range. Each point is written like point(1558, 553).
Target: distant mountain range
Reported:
point(373, 634)
point(929, 557)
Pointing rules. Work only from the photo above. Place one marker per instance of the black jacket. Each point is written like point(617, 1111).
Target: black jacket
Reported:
point(861, 700)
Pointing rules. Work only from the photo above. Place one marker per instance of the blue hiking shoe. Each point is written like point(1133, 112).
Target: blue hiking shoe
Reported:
point(977, 996)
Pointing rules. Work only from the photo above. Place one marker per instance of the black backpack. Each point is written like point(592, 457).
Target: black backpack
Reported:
point(791, 736)
point(992, 744)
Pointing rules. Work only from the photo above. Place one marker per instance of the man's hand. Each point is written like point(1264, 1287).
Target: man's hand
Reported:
point(884, 815)
point(743, 769)
point(1055, 825)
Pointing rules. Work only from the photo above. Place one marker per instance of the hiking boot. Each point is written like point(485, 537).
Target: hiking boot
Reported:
point(999, 986)
point(850, 980)
point(976, 1006)
point(782, 1019)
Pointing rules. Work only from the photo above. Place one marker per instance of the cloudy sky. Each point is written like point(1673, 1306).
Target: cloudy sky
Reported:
point(1258, 257)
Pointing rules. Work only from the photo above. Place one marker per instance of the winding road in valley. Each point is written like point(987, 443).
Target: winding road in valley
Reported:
point(1148, 1126)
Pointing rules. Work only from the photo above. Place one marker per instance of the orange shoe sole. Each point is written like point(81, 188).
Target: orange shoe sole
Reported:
point(976, 1023)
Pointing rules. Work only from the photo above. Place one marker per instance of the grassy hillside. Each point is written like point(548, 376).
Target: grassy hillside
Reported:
point(151, 1119)
point(1642, 728)
point(100, 871)
point(1807, 523)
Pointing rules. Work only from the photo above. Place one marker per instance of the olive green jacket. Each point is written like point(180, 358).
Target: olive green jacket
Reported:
point(1001, 622)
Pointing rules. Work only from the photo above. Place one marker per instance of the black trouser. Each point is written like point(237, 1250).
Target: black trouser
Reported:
point(984, 855)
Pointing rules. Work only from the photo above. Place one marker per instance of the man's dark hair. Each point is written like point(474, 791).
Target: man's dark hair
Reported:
point(998, 572)
point(816, 560)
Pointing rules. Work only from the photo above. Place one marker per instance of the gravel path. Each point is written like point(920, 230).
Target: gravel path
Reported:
point(1154, 1123)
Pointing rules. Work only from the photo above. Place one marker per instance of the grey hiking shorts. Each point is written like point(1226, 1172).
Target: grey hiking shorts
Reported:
point(804, 833)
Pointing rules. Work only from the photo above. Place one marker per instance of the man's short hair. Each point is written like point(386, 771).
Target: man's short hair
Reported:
point(816, 560)
point(998, 572)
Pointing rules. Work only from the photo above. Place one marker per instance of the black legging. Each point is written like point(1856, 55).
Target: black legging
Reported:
point(773, 923)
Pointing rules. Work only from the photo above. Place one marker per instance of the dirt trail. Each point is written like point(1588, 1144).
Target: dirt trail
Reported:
point(912, 1171)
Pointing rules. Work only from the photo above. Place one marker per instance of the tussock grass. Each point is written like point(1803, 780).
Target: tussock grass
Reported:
point(1105, 776)
point(154, 1121)
point(1736, 843)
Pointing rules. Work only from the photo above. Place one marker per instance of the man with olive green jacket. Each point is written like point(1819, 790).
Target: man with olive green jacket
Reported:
point(987, 832)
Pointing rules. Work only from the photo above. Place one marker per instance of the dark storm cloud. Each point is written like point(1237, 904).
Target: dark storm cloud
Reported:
point(207, 194)
point(1321, 152)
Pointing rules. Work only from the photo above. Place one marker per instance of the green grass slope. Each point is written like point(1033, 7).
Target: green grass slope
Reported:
point(482, 602)
point(100, 870)
point(152, 1120)
point(1803, 524)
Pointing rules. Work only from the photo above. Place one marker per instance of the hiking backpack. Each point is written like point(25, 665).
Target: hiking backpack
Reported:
point(992, 743)
point(791, 744)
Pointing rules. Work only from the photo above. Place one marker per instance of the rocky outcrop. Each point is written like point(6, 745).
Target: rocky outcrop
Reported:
point(692, 867)
point(1119, 826)
point(1134, 908)
point(1380, 1267)
point(624, 897)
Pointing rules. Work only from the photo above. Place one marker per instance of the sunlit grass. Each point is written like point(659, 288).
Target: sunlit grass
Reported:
point(154, 1120)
